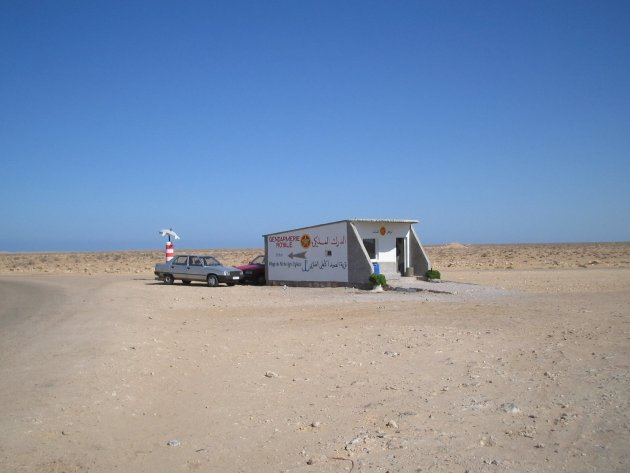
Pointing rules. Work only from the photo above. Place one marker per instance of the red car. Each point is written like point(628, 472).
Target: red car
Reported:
point(254, 272)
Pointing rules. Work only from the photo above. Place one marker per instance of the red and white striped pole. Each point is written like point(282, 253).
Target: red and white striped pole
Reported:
point(169, 251)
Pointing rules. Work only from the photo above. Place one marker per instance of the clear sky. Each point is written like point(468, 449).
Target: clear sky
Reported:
point(488, 121)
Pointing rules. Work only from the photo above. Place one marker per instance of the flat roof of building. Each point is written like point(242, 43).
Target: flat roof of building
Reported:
point(366, 220)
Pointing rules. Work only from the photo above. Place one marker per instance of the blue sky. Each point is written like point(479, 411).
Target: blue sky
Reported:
point(490, 122)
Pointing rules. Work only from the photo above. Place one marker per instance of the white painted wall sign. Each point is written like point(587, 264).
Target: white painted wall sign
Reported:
point(310, 254)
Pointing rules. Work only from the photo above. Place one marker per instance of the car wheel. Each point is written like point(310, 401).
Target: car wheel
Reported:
point(212, 280)
point(260, 280)
point(185, 282)
point(169, 279)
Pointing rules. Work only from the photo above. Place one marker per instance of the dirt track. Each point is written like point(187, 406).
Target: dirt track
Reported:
point(101, 372)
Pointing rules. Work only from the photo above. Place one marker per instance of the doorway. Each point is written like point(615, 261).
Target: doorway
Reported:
point(401, 256)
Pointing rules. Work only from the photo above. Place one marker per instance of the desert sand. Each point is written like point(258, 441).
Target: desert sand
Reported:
point(518, 362)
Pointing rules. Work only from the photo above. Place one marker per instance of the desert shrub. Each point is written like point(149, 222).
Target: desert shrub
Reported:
point(378, 279)
point(432, 274)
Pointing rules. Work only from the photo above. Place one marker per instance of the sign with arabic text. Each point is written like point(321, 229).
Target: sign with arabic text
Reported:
point(313, 254)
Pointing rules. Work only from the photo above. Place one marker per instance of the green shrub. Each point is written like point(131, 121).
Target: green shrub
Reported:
point(433, 274)
point(378, 279)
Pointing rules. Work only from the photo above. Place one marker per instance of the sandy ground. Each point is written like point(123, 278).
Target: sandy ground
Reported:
point(501, 370)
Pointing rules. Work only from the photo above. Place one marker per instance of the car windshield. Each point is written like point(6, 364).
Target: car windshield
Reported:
point(210, 261)
point(259, 260)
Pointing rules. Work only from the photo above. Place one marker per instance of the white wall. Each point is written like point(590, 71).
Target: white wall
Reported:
point(310, 254)
point(385, 235)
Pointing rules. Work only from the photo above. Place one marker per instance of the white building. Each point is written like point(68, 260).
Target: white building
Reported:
point(344, 253)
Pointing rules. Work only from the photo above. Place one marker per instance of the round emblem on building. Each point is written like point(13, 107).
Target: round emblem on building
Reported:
point(383, 231)
point(305, 241)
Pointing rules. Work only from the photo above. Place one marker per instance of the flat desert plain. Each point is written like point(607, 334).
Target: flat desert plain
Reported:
point(519, 361)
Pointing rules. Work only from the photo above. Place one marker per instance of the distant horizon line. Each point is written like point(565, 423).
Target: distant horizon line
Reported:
point(223, 248)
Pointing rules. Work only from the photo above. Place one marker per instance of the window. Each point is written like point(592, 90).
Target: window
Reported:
point(370, 246)
point(182, 260)
point(210, 261)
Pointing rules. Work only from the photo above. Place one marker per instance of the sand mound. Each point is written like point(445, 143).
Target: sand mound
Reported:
point(456, 246)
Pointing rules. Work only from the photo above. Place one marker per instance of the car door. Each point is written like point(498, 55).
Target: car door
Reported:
point(195, 269)
point(180, 265)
